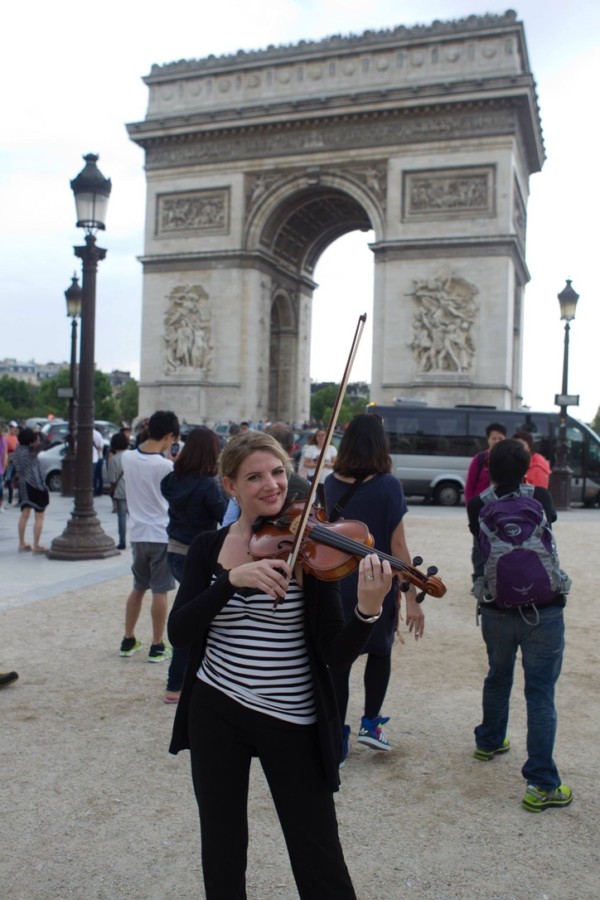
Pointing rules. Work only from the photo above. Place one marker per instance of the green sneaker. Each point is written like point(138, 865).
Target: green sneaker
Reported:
point(129, 646)
point(159, 652)
point(536, 800)
point(487, 755)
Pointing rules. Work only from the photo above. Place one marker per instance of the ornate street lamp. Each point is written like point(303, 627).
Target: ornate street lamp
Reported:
point(560, 480)
point(73, 296)
point(83, 538)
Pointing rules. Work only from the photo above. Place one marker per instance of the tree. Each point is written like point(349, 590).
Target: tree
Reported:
point(106, 406)
point(323, 401)
point(48, 401)
point(17, 398)
point(595, 423)
point(129, 398)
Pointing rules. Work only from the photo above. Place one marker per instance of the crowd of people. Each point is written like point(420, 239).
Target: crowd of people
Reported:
point(260, 649)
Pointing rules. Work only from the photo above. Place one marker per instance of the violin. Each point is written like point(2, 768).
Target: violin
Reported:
point(332, 550)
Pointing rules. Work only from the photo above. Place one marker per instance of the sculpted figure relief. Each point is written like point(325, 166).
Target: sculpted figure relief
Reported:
point(442, 325)
point(187, 334)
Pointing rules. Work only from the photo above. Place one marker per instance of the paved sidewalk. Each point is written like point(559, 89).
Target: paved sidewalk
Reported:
point(28, 577)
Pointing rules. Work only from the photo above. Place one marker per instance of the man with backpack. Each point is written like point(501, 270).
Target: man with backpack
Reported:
point(521, 597)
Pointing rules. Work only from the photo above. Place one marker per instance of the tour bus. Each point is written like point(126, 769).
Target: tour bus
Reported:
point(431, 447)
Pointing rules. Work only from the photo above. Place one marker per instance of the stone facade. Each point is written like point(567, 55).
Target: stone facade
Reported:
point(256, 162)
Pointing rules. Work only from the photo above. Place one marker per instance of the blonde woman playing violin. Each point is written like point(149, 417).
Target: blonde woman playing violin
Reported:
point(261, 643)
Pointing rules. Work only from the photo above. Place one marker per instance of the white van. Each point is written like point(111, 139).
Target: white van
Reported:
point(431, 447)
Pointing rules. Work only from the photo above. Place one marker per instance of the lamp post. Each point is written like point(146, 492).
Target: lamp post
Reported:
point(83, 538)
point(560, 480)
point(73, 296)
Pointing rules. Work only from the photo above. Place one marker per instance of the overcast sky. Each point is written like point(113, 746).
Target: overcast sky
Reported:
point(71, 80)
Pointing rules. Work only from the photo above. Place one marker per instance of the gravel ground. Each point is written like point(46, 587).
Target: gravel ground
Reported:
point(94, 807)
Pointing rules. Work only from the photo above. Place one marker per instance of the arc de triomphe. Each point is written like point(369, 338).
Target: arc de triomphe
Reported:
point(256, 162)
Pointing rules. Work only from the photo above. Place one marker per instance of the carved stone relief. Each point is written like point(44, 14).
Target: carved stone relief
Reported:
point(192, 212)
point(439, 193)
point(443, 324)
point(258, 143)
point(188, 332)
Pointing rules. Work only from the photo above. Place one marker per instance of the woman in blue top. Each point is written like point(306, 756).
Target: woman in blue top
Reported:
point(361, 487)
point(197, 503)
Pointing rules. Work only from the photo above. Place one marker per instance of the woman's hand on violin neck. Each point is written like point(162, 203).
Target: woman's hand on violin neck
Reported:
point(374, 582)
point(269, 576)
point(415, 618)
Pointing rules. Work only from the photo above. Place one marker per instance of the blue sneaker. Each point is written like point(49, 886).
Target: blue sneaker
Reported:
point(346, 745)
point(371, 733)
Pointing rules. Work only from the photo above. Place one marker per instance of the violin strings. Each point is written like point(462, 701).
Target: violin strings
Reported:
point(343, 543)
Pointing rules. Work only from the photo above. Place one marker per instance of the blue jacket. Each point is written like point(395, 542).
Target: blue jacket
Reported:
point(196, 504)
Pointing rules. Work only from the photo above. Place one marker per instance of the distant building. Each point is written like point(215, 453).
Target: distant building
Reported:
point(119, 378)
point(31, 372)
point(35, 373)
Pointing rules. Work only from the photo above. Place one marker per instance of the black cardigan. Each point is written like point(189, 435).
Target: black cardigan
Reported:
point(329, 640)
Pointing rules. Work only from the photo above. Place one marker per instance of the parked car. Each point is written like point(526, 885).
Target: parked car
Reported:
point(51, 462)
point(53, 433)
point(51, 465)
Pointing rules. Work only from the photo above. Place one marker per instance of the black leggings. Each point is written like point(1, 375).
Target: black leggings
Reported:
point(224, 736)
point(376, 679)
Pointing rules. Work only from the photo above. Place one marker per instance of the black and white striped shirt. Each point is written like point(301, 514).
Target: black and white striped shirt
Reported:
point(257, 655)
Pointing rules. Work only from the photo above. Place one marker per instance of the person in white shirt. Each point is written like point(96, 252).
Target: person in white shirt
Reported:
point(97, 460)
point(311, 456)
point(143, 470)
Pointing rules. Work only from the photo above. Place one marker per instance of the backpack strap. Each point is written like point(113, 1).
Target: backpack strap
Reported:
point(487, 495)
point(526, 490)
point(336, 512)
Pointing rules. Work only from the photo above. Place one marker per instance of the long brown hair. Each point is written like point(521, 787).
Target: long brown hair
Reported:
point(199, 454)
point(364, 448)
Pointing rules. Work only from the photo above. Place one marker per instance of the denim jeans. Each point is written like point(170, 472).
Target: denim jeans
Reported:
point(542, 646)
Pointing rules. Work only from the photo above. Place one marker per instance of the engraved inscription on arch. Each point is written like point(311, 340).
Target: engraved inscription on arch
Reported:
point(192, 212)
point(443, 324)
point(440, 193)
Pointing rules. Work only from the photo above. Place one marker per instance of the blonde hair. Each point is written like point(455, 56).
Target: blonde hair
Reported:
point(241, 446)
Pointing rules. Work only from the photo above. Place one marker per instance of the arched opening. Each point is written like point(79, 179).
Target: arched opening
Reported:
point(316, 235)
point(345, 277)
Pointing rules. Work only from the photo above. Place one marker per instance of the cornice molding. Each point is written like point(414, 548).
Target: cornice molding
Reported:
point(471, 25)
point(442, 248)
point(376, 129)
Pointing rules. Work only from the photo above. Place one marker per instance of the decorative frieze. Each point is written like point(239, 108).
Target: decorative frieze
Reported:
point(443, 324)
point(188, 332)
point(331, 135)
point(192, 212)
point(443, 193)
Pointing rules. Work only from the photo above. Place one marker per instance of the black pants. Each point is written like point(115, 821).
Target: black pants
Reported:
point(376, 680)
point(224, 736)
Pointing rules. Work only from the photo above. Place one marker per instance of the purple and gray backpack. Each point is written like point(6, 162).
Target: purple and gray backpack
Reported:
point(521, 565)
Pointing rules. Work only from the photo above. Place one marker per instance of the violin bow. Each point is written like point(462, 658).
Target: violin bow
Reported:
point(303, 520)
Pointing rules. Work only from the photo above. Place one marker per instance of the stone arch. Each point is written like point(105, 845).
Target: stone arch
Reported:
point(293, 223)
point(257, 161)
